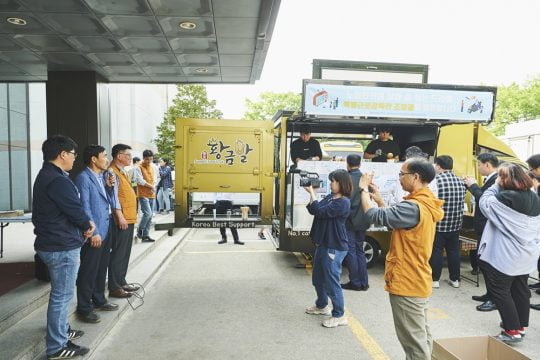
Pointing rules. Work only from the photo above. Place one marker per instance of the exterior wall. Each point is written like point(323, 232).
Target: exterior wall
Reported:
point(135, 112)
point(38, 126)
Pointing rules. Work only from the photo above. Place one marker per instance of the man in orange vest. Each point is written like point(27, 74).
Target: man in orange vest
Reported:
point(125, 216)
point(147, 195)
point(407, 271)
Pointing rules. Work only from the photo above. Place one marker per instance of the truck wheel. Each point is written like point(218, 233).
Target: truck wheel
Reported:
point(372, 250)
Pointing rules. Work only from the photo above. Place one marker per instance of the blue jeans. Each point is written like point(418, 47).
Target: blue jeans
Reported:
point(146, 219)
point(163, 197)
point(63, 267)
point(355, 260)
point(326, 278)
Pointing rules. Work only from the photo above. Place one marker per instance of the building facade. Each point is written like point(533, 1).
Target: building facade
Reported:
point(135, 112)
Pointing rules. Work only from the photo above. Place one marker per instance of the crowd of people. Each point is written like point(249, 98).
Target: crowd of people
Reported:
point(85, 229)
point(426, 223)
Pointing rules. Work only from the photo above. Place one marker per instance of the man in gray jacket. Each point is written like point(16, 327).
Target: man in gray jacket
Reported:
point(356, 224)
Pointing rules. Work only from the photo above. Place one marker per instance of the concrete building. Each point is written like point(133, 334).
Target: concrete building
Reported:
point(65, 66)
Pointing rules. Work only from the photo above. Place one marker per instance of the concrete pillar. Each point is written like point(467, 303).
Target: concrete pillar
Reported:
point(78, 107)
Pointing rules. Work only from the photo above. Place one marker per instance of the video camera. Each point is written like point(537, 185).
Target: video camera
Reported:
point(310, 179)
point(307, 178)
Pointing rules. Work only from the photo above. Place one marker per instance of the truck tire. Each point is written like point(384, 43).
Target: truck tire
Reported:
point(372, 249)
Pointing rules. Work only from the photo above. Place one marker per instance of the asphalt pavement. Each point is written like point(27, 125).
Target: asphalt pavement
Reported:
point(230, 301)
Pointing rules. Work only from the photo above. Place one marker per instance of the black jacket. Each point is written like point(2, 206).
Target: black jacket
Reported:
point(357, 220)
point(479, 220)
point(525, 202)
point(57, 212)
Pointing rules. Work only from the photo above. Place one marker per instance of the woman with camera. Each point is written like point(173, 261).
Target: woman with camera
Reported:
point(510, 246)
point(329, 234)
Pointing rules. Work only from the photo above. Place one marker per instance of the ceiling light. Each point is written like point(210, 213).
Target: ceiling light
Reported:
point(187, 25)
point(16, 21)
point(201, 70)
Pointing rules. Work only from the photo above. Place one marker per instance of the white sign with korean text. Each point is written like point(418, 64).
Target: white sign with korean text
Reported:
point(395, 102)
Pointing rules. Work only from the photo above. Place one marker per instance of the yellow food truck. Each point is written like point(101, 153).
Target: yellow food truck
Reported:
point(251, 159)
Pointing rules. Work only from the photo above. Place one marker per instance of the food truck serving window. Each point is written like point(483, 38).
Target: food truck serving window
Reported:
point(345, 99)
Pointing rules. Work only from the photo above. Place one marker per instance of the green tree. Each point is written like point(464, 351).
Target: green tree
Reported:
point(191, 101)
point(516, 103)
point(270, 103)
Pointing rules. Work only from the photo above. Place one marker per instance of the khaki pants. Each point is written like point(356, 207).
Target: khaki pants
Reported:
point(412, 329)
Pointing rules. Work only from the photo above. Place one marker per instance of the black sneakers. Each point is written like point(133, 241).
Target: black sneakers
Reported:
point(74, 334)
point(69, 351)
point(147, 239)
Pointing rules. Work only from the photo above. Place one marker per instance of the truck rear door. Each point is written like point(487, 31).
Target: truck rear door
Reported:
point(223, 156)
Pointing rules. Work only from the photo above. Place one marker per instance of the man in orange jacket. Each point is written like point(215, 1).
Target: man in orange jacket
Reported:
point(147, 195)
point(125, 217)
point(407, 271)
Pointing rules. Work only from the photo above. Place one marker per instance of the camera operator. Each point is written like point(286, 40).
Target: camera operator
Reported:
point(306, 147)
point(329, 234)
point(407, 271)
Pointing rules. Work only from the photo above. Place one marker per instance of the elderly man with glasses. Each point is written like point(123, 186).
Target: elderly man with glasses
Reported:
point(407, 270)
point(125, 216)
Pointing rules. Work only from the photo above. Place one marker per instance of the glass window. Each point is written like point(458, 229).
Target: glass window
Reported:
point(14, 181)
point(19, 160)
point(5, 200)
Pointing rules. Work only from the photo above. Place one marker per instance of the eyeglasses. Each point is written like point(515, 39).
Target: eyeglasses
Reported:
point(73, 152)
point(127, 154)
point(401, 173)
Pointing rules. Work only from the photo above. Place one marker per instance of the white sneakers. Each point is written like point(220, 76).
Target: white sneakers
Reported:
point(314, 310)
point(436, 284)
point(335, 322)
point(331, 322)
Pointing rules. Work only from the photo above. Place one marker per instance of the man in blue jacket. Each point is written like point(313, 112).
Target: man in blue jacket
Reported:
point(96, 252)
point(61, 227)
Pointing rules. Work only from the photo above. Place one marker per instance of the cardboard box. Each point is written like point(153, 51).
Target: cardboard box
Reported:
point(474, 348)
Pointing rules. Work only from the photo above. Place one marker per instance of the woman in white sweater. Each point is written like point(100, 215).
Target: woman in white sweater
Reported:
point(510, 246)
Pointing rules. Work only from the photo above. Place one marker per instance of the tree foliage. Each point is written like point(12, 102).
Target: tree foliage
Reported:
point(516, 103)
point(191, 101)
point(270, 103)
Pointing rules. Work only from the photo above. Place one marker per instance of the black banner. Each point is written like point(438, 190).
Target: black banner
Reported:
point(208, 224)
